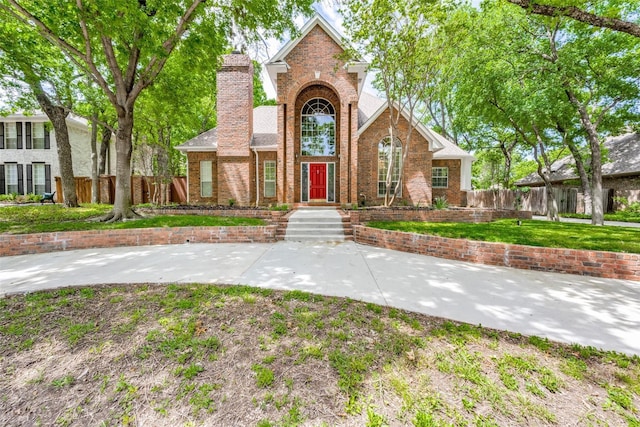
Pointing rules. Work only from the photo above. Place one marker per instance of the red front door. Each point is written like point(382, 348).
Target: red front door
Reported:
point(318, 181)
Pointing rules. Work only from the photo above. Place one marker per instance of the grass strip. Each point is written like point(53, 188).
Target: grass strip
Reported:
point(531, 233)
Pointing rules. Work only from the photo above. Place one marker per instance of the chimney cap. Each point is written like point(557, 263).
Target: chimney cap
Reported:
point(236, 52)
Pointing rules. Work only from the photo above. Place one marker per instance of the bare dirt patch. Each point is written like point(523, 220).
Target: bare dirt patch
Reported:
point(229, 356)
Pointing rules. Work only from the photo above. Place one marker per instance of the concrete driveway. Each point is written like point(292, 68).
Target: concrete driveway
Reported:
point(603, 313)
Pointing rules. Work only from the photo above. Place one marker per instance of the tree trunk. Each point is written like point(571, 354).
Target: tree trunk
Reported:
point(544, 171)
point(95, 183)
point(58, 116)
point(597, 211)
point(124, 147)
point(104, 150)
point(585, 185)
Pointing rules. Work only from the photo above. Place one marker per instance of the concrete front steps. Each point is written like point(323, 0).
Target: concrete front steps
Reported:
point(318, 224)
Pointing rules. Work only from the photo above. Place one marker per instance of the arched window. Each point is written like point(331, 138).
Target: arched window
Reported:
point(318, 128)
point(385, 153)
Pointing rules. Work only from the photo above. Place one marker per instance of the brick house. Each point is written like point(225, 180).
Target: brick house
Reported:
point(327, 141)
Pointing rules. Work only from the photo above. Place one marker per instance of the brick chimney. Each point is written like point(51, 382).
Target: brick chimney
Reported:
point(235, 105)
point(235, 129)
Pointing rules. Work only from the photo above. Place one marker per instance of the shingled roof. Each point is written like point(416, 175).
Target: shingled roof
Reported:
point(623, 159)
point(265, 131)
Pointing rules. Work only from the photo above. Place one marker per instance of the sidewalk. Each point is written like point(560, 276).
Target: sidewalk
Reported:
point(597, 312)
point(588, 221)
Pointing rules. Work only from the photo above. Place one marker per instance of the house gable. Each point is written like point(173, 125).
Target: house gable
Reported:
point(315, 52)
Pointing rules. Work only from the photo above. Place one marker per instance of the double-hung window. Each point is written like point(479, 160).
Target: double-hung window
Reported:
point(385, 154)
point(440, 177)
point(38, 132)
point(39, 178)
point(269, 178)
point(12, 132)
point(11, 178)
point(206, 178)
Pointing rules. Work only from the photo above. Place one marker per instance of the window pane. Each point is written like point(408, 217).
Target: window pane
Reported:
point(440, 177)
point(331, 191)
point(11, 135)
point(317, 128)
point(11, 177)
point(305, 182)
point(37, 130)
point(384, 158)
point(38, 178)
point(269, 178)
point(206, 181)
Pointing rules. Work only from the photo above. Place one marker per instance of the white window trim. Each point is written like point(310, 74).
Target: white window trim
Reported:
point(269, 181)
point(398, 165)
point(7, 183)
point(203, 167)
point(433, 176)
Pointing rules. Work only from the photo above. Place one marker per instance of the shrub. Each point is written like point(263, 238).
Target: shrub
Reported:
point(440, 203)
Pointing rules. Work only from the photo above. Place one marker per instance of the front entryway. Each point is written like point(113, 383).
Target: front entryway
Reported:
point(318, 182)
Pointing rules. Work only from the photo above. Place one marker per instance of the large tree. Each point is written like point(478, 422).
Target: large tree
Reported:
point(398, 37)
point(123, 45)
point(603, 13)
point(42, 74)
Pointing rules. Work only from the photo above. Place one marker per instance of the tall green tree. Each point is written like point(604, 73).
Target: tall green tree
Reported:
point(398, 37)
point(123, 45)
point(42, 74)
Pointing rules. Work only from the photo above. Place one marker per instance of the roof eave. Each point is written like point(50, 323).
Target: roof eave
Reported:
point(195, 148)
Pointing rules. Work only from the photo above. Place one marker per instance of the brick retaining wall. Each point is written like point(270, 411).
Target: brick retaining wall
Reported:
point(23, 244)
point(586, 263)
point(438, 215)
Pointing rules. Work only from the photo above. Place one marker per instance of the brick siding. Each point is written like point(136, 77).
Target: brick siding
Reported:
point(23, 244)
point(443, 215)
point(416, 188)
point(452, 193)
point(585, 263)
point(194, 159)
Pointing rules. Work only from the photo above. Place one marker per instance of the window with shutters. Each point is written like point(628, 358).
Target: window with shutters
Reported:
point(38, 132)
point(11, 135)
point(39, 178)
point(11, 178)
point(269, 178)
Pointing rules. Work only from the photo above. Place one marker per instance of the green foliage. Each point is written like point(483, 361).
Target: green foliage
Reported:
point(440, 203)
point(48, 218)
point(264, 375)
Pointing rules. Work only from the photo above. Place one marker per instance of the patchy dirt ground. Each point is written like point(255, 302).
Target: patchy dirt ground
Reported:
point(189, 355)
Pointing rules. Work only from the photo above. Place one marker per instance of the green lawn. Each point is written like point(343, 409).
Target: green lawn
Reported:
point(49, 218)
point(533, 233)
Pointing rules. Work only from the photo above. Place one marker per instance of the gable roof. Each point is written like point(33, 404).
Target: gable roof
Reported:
point(265, 133)
point(435, 143)
point(277, 63)
point(623, 160)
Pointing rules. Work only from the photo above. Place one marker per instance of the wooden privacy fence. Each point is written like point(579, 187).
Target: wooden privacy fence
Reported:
point(144, 189)
point(535, 200)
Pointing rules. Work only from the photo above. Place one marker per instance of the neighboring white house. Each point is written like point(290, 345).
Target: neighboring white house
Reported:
point(29, 155)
